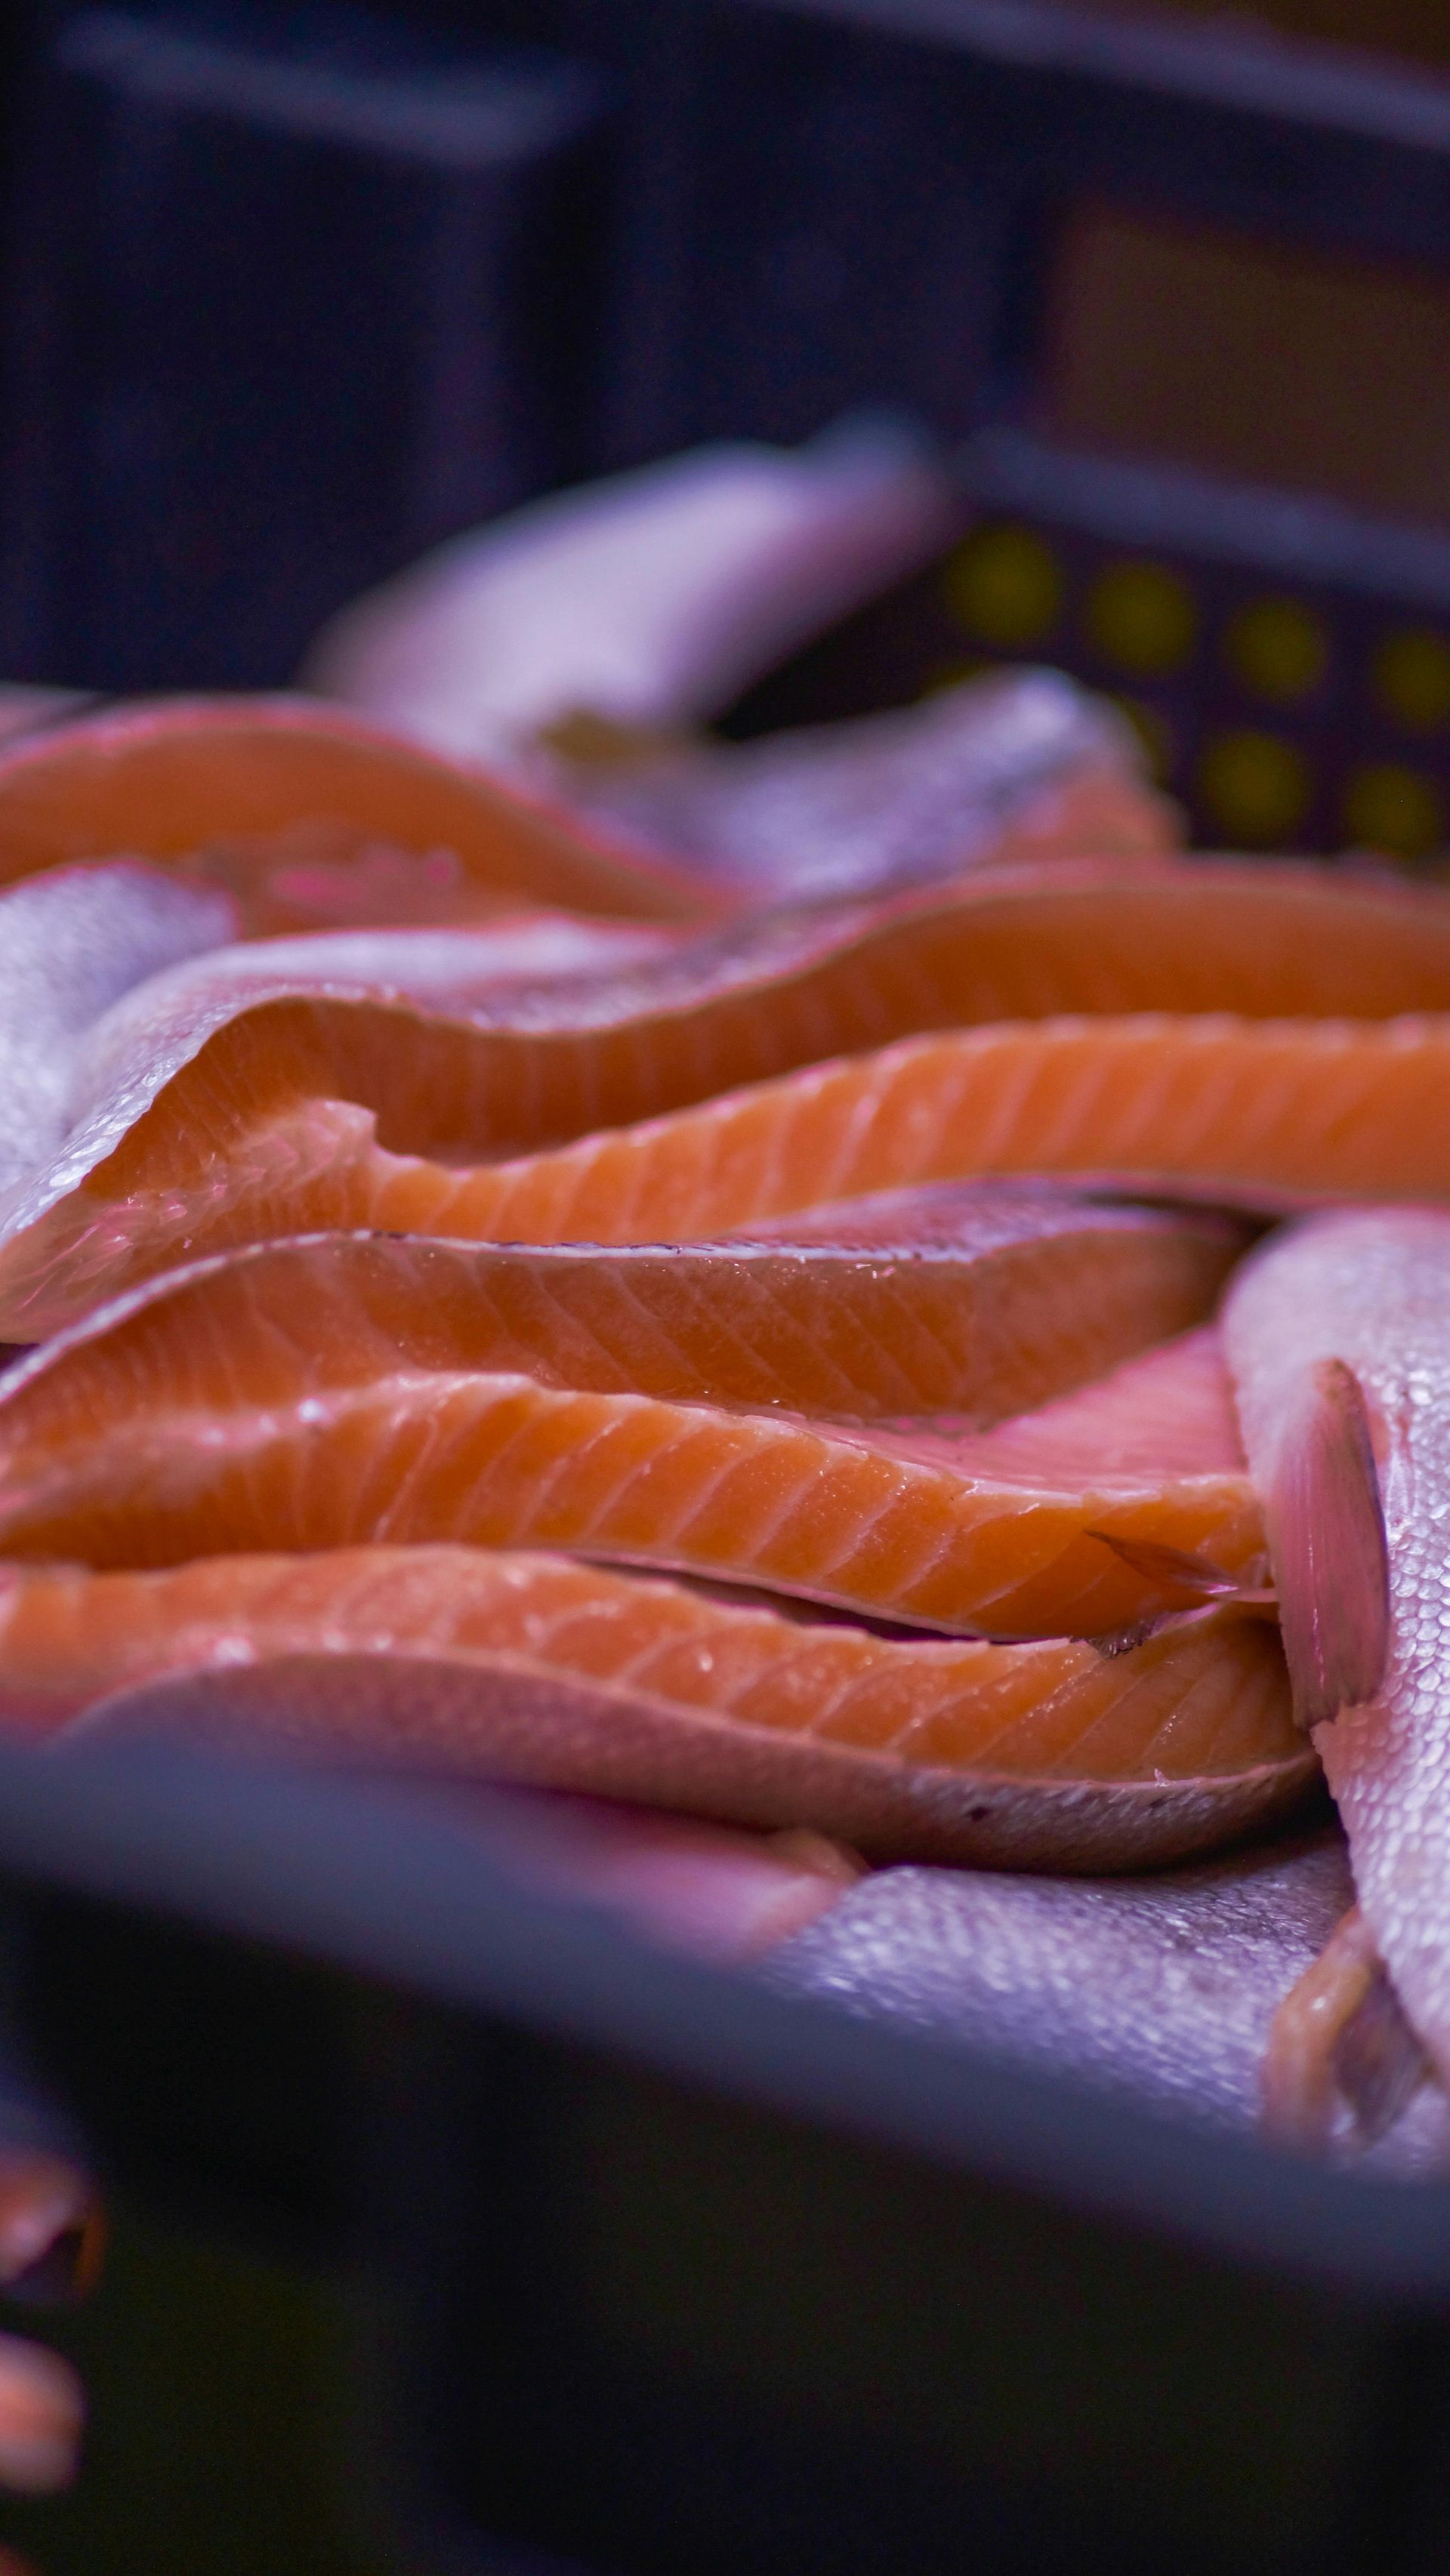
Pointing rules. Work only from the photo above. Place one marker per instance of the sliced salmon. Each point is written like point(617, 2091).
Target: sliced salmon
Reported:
point(962, 1301)
point(586, 1678)
point(1338, 1336)
point(197, 1120)
point(1248, 1113)
point(1168, 1412)
point(278, 782)
point(324, 1392)
point(656, 1032)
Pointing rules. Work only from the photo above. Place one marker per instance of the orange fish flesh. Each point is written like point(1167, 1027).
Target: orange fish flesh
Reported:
point(585, 1678)
point(282, 782)
point(977, 1302)
point(1248, 1112)
point(329, 1391)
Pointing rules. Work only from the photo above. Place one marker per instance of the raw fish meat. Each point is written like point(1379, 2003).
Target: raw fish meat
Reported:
point(973, 1302)
point(212, 1111)
point(247, 789)
point(1021, 766)
point(74, 940)
point(333, 1390)
point(1169, 1412)
point(1364, 1296)
point(71, 942)
point(650, 599)
point(1244, 1113)
point(581, 1677)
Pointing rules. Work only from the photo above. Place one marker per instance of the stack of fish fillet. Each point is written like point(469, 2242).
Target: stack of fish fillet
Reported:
point(953, 1376)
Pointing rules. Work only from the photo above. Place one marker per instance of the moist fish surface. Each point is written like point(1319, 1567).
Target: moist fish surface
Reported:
point(1243, 1113)
point(1021, 765)
point(269, 783)
point(1160, 1990)
point(216, 1106)
point(1364, 1295)
point(965, 1301)
point(71, 943)
point(326, 1392)
point(583, 1677)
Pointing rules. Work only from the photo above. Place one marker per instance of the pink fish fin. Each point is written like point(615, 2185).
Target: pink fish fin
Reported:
point(815, 1873)
point(1340, 2038)
point(1327, 1537)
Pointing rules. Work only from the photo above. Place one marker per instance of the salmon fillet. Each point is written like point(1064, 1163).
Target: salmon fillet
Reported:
point(583, 1678)
point(787, 989)
point(221, 1063)
point(973, 1302)
point(328, 1391)
point(249, 775)
point(1244, 1111)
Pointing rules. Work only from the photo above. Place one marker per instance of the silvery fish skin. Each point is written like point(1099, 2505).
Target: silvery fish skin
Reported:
point(896, 799)
point(1159, 1990)
point(72, 943)
point(1365, 1294)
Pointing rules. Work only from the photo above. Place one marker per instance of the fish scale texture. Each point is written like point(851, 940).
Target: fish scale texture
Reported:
point(1372, 1289)
point(1161, 1989)
point(71, 943)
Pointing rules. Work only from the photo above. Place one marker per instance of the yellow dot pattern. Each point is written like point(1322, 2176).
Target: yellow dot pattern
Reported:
point(1003, 584)
point(1256, 786)
point(1007, 589)
point(1142, 617)
point(1278, 649)
point(1412, 679)
point(1390, 807)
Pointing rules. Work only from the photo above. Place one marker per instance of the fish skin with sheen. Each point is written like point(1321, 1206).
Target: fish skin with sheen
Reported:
point(328, 1392)
point(1023, 766)
point(1370, 1290)
point(1159, 1991)
point(1235, 1113)
point(72, 942)
point(472, 1662)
